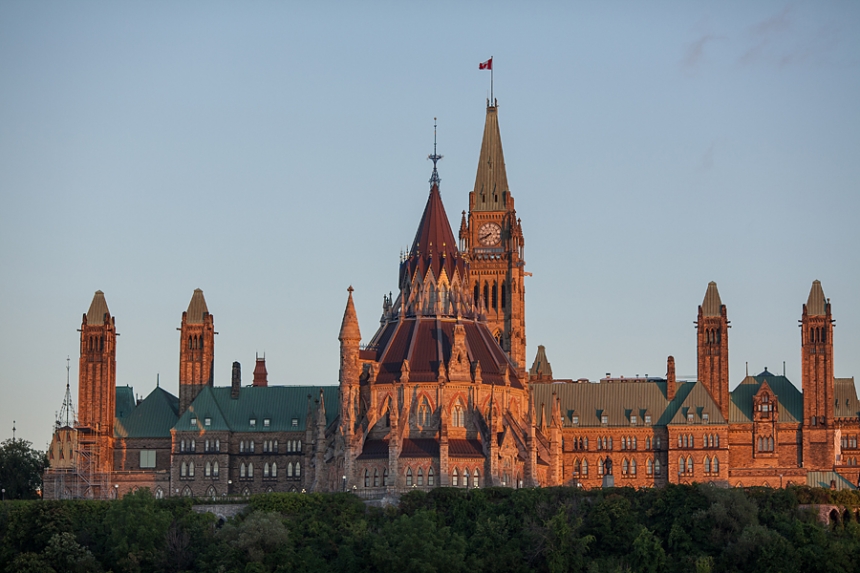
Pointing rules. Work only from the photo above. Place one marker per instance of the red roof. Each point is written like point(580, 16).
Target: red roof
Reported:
point(434, 246)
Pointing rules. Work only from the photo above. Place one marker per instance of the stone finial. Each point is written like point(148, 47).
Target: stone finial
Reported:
point(404, 371)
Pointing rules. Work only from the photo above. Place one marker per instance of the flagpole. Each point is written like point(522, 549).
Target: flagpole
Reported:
point(492, 100)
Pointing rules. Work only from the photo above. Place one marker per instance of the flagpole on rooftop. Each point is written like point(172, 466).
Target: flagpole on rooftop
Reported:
point(491, 81)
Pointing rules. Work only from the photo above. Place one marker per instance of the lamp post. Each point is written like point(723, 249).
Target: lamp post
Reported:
point(4, 493)
point(116, 491)
point(344, 483)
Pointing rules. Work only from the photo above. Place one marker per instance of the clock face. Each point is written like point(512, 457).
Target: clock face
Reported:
point(489, 234)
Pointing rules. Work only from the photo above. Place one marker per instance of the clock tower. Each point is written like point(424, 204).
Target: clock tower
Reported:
point(491, 239)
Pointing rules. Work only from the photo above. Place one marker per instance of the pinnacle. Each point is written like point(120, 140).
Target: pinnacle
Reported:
point(816, 304)
point(98, 309)
point(349, 327)
point(712, 305)
point(491, 181)
point(196, 308)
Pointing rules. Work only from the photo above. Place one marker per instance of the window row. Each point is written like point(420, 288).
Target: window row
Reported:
point(604, 419)
point(456, 478)
point(491, 295)
point(849, 442)
point(607, 443)
point(195, 343)
point(711, 466)
point(96, 343)
point(764, 444)
point(270, 470)
point(210, 469)
point(817, 334)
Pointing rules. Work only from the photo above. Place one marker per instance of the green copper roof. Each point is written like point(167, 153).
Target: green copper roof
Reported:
point(693, 398)
point(278, 404)
point(790, 398)
point(124, 401)
point(152, 418)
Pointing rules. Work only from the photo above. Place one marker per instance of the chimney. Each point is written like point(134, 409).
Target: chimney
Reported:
point(261, 375)
point(671, 385)
point(236, 381)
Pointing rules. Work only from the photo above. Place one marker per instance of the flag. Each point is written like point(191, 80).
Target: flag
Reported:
point(488, 65)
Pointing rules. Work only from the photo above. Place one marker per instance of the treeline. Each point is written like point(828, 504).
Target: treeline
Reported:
point(677, 528)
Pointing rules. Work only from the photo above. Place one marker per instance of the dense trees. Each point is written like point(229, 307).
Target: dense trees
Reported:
point(673, 529)
point(21, 469)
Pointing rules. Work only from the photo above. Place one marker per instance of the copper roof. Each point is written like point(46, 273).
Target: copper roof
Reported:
point(789, 398)
point(816, 305)
point(98, 309)
point(491, 181)
point(419, 448)
point(846, 405)
point(196, 308)
point(434, 246)
point(465, 449)
point(374, 449)
point(712, 305)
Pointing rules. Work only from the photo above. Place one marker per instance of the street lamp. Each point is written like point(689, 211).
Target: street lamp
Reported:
point(116, 491)
point(344, 483)
point(4, 493)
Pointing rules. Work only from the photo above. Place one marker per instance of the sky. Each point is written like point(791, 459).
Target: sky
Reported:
point(273, 154)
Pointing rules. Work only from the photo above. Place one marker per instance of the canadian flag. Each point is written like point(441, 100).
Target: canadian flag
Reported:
point(488, 65)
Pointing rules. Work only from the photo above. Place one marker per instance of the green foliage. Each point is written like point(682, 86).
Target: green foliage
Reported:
point(673, 529)
point(21, 469)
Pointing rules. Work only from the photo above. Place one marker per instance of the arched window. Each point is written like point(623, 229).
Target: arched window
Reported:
point(186, 492)
point(577, 466)
point(274, 469)
point(707, 463)
point(458, 418)
point(625, 466)
point(690, 464)
point(455, 478)
point(206, 446)
point(759, 443)
point(585, 467)
point(211, 492)
point(486, 294)
point(649, 467)
point(431, 477)
point(504, 296)
point(495, 296)
point(189, 343)
point(208, 471)
point(657, 467)
point(420, 476)
point(215, 469)
point(366, 477)
point(290, 471)
point(250, 470)
point(266, 470)
point(375, 477)
point(243, 470)
point(682, 464)
point(385, 477)
point(298, 469)
point(242, 446)
point(681, 442)
point(424, 412)
point(633, 467)
point(466, 477)
point(476, 295)
point(183, 471)
point(600, 466)
point(475, 478)
point(409, 477)
point(715, 465)
point(190, 469)
point(182, 446)
point(648, 443)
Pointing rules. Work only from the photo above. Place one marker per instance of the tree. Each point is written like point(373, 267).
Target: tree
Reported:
point(21, 469)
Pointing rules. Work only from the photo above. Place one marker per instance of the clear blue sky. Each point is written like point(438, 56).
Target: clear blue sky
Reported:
point(272, 154)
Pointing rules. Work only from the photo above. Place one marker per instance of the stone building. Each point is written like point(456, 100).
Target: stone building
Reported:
point(440, 395)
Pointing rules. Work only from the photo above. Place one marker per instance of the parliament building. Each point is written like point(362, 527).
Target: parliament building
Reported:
point(440, 396)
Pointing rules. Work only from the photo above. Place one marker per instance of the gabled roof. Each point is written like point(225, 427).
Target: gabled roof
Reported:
point(491, 180)
point(823, 479)
point(279, 404)
point(693, 398)
point(98, 309)
point(816, 304)
point(196, 308)
point(589, 401)
point(152, 418)
point(712, 305)
point(789, 397)
point(541, 365)
point(125, 402)
point(847, 405)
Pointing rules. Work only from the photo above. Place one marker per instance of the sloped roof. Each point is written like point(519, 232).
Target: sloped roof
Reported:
point(491, 180)
point(823, 479)
point(434, 246)
point(693, 398)
point(152, 418)
point(125, 402)
point(98, 309)
point(348, 327)
point(279, 404)
point(196, 308)
point(789, 397)
point(541, 364)
point(847, 405)
point(590, 401)
point(712, 305)
point(425, 341)
point(816, 304)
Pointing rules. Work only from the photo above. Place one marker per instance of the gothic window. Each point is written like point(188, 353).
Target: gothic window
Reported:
point(486, 293)
point(475, 478)
point(290, 471)
point(466, 477)
point(681, 464)
point(408, 477)
point(431, 477)
point(274, 469)
point(250, 470)
point(657, 467)
point(182, 446)
point(504, 296)
point(458, 419)
point(215, 469)
point(242, 446)
point(649, 467)
point(375, 477)
point(585, 467)
point(495, 296)
point(211, 492)
point(760, 444)
point(692, 442)
point(299, 446)
point(633, 467)
point(600, 466)
point(420, 476)
point(424, 412)
point(635, 443)
point(217, 445)
point(625, 467)
point(715, 466)
point(366, 478)
point(298, 469)
point(610, 442)
point(690, 465)
point(385, 477)
point(454, 478)
point(208, 469)
point(498, 337)
point(183, 471)
point(476, 295)
point(707, 465)
point(680, 441)
point(243, 472)
point(206, 447)
point(186, 492)
point(577, 466)
point(190, 469)
point(266, 470)
point(189, 343)
point(648, 443)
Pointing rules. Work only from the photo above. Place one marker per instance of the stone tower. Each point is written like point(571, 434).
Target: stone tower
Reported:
point(713, 348)
point(196, 350)
point(97, 382)
point(816, 345)
point(491, 239)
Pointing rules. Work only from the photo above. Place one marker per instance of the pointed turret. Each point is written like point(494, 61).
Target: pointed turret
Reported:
point(98, 312)
point(541, 369)
point(261, 375)
point(196, 350)
point(816, 304)
point(712, 304)
point(491, 181)
point(434, 246)
point(197, 309)
point(349, 330)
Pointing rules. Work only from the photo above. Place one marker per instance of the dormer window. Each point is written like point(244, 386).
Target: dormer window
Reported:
point(690, 418)
point(266, 422)
point(604, 419)
point(575, 419)
point(193, 420)
point(253, 422)
point(207, 421)
point(705, 417)
point(295, 423)
point(633, 419)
